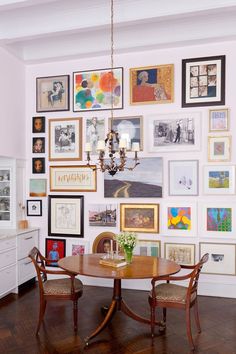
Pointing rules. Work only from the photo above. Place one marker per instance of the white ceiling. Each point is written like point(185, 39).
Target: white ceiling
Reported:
point(47, 30)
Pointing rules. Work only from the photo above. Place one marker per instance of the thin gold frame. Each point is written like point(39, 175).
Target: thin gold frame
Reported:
point(210, 139)
point(181, 245)
point(227, 119)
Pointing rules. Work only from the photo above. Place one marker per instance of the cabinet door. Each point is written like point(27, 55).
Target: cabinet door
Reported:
point(7, 280)
point(26, 242)
point(5, 196)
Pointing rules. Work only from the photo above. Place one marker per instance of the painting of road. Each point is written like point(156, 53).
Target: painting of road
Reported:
point(145, 181)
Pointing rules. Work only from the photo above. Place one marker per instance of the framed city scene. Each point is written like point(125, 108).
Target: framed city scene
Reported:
point(218, 120)
point(174, 132)
point(34, 207)
point(219, 179)
point(180, 253)
point(148, 248)
point(96, 90)
point(95, 131)
point(54, 250)
point(139, 217)
point(65, 139)
point(219, 148)
point(76, 247)
point(152, 84)
point(221, 258)
point(183, 177)
point(103, 215)
point(203, 81)
point(52, 93)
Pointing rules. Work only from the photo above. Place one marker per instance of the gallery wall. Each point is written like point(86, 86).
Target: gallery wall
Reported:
point(210, 284)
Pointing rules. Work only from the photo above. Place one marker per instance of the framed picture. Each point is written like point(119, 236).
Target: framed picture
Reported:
point(95, 90)
point(38, 125)
point(103, 215)
point(38, 187)
point(38, 165)
point(129, 129)
point(104, 243)
point(221, 258)
point(73, 178)
point(34, 207)
point(180, 253)
point(38, 145)
point(152, 84)
point(218, 120)
point(76, 247)
point(148, 248)
point(55, 250)
point(203, 81)
point(183, 177)
point(66, 215)
point(219, 179)
point(174, 132)
point(52, 93)
point(179, 219)
point(145, 181)
point(139, 217)
point(65, 139)
point(95, 131)
point(219, 148)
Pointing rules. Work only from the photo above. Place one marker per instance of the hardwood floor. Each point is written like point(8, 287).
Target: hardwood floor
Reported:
point(19, 315)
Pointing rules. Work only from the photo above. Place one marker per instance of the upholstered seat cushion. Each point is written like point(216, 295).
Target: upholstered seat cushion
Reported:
point(61, 286)
point(172, 293)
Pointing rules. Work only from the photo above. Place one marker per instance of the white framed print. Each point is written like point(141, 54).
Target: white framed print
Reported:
point(218, 120)
point(183, 177)
point(148, 248)
point(219, 179)
point(76, 247)
point(219, 148)
point(221, 258)
point(181, 253)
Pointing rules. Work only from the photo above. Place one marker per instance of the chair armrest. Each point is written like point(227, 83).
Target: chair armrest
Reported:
point(171, 278)
point(183, 266)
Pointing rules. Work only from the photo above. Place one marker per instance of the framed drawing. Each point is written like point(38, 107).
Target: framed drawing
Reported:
point(152, 84)
point(104, 243)
point(38, 125)
point(180, 253)
point(179, 219)
point(95, 90)
point(95, 131)
point(183, 177)
point(129, 129)
point(203, 81)
point(139, 217)
point(103, 215)
point(34, 207)
point(148, 248)
point(66, 215)
point(52, 93)
point(174, 132)
point(145, 181)
point(218, 120)
point(38, 187)
point(38, 165)
point(219, 179)
point(73, 178)
point(76, 247)
point(219, 148)
point(38, 145)
point(65, 139)
point(55, 250)
point(221, 258)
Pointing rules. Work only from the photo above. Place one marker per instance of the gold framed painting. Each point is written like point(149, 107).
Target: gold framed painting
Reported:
point(219, 148)
point(218, 120)
point(139, 217)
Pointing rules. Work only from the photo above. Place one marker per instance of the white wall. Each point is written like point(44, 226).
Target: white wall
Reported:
point(210, 284)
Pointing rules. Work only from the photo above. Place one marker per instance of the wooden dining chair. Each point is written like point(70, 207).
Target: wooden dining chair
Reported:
point(66, 288)
point(168, 295)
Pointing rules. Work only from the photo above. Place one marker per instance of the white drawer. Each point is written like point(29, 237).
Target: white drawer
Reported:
point(7, 243)
point(7, 279)
point(26, 270)
point(7, 258)
point(26, 242)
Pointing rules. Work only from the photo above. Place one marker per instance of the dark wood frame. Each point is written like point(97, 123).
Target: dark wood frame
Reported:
point(48, 262)
point(42, 159)
point(34, 139)
point(43, 125)
point(40, 207)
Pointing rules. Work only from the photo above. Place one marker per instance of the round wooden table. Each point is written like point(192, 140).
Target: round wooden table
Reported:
point(142, 267)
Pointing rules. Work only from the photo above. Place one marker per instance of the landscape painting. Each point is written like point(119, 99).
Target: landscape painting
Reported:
point(219, 219)
point(103, 215)
point(145, 181)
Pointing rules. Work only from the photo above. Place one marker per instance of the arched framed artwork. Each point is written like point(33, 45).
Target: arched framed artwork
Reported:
point(104, 243)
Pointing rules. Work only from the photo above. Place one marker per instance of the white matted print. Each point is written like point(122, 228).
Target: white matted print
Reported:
point(219, 148)
point(174, 132)
point(76, 247)
point(221, 258)
point(180, 253)
point(95, 131)
point(183, 177)
point(219, 179)
point(218, 120)
point(148, 248)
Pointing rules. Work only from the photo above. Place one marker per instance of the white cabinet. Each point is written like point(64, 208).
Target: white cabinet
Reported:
point(7, 195)
point(8, 265)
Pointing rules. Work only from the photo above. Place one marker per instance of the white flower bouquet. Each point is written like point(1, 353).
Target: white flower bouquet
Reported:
point(126, 239)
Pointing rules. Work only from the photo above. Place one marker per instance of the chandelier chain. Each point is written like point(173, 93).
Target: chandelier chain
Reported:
point(112, 58)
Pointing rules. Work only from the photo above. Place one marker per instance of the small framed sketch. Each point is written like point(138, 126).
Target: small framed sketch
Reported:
point(65, 139)
point(219, 179)
point(38, 125)
point(52, 93)
point(76, 247)
point(183, 177)
point(221, 258)
point(34, 207)
point(95, 131)
point(103, 215)
point(203, 81)
point(180, 253)
point(218, 120)
point(219, 148)
point(55, 249)
point(148, 248)
point(38, 187)
point(38, 145)
point(38, 165)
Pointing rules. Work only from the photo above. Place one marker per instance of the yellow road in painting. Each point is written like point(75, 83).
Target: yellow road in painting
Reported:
point(123, 191)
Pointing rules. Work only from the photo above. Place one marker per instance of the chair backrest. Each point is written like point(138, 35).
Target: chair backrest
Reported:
point(193, 283)
point(39, 263)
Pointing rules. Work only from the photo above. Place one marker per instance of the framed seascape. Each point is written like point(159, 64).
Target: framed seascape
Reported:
point(38, 187)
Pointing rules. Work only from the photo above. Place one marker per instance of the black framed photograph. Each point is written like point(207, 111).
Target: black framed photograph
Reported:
point(54, 250)
point(38, 145)
point(66, 215)
point(34, 207)
point(38, 124)
point(38, 165)
point(203, 81)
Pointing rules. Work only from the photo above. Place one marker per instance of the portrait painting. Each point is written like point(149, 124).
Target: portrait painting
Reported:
point(183, 177)
point(152, 84)
point(103, 215)
point(98, 89)
point(55, 250)
point(219, 219)
point(38, 187)
point(38, 165)
point(38, 125)
point(139, 217)
point(218, 120)
point(219, 179)
point(221, 258)
point(104, 243)
point(180, 253)
point(38, 145)
point(95, 131)
point(219, 148)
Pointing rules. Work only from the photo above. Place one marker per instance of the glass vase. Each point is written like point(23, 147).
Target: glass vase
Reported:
point(128, 254)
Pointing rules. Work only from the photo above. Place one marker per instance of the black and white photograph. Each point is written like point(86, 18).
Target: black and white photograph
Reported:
point(95, 131)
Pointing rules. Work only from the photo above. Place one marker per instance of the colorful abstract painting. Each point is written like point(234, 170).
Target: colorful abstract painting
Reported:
point(219, 219)
point(179, 218)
